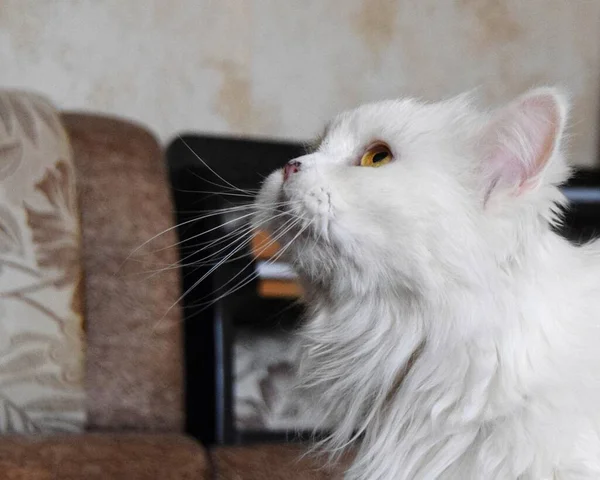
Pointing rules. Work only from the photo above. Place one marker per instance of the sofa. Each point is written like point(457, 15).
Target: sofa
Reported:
point(130, 424)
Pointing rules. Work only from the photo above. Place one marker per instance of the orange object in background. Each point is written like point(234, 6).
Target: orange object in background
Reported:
point(279, 289)
point(263, 248)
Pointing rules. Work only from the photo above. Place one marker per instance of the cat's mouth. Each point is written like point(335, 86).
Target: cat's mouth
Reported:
point(295, 212)
point(310, 211)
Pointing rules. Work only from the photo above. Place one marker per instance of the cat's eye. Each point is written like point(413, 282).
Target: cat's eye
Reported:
point(376, 156)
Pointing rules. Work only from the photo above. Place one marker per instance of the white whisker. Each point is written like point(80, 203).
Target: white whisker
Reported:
point(209, 168)
point(286, 227)
point(250, 277)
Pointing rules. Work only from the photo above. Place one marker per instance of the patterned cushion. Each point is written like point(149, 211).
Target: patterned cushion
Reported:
point(41, 341)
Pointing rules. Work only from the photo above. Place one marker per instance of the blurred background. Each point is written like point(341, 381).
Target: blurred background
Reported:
point(281, 69)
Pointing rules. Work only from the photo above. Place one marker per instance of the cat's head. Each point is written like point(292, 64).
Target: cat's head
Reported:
point(413, 195)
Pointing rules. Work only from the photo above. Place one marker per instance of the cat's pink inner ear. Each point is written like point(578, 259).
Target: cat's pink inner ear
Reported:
point(521, 139)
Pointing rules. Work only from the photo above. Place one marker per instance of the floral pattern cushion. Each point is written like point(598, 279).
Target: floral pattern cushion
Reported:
point(41, 330)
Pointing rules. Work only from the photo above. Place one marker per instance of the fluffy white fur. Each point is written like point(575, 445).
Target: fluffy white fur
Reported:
point(451, 333)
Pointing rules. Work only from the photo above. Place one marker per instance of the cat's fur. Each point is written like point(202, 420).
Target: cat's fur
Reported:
point(448, 325)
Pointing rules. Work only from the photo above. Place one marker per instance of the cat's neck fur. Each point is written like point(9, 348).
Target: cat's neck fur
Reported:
point(418, 386)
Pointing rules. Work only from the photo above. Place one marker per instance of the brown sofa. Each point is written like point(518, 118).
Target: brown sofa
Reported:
point(134, 374)
point(133, 369)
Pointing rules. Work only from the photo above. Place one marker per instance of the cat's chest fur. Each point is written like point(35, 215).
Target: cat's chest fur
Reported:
point(500, 401)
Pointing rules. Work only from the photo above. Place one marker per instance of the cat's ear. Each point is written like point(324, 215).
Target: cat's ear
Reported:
point(521, 140)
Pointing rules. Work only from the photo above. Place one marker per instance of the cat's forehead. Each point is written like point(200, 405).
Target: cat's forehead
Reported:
point(371, 118)
point(391, 120)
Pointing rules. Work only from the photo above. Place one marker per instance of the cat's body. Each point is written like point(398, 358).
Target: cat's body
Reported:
point(449, 326)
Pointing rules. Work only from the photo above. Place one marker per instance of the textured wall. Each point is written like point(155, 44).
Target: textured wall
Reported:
point(279, 69)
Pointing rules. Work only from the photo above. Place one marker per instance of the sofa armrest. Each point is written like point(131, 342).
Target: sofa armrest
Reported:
point(134, 377)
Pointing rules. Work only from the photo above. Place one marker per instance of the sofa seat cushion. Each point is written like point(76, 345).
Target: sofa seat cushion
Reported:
point(102, 457)
point(274, 462)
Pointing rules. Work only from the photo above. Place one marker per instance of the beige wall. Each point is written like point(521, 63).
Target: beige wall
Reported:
point(281, 68)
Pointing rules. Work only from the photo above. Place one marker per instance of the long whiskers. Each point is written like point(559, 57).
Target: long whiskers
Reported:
point(212, 213)
point(243, 234)
point(238, 223)
point(226, 189)
point(279, 233)
point(253, 276)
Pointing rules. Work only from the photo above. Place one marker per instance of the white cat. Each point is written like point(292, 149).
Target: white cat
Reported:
point(449, 326)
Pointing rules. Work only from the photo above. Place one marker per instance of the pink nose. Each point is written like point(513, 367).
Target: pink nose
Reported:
point(293, 166)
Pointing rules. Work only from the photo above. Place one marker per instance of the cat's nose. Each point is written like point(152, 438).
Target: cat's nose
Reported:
point(293, 166)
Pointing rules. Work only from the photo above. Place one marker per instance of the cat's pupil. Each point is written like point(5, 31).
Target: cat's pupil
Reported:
point(379, 157)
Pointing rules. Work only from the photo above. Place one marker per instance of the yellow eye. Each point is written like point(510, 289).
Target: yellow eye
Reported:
point(376, 156)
